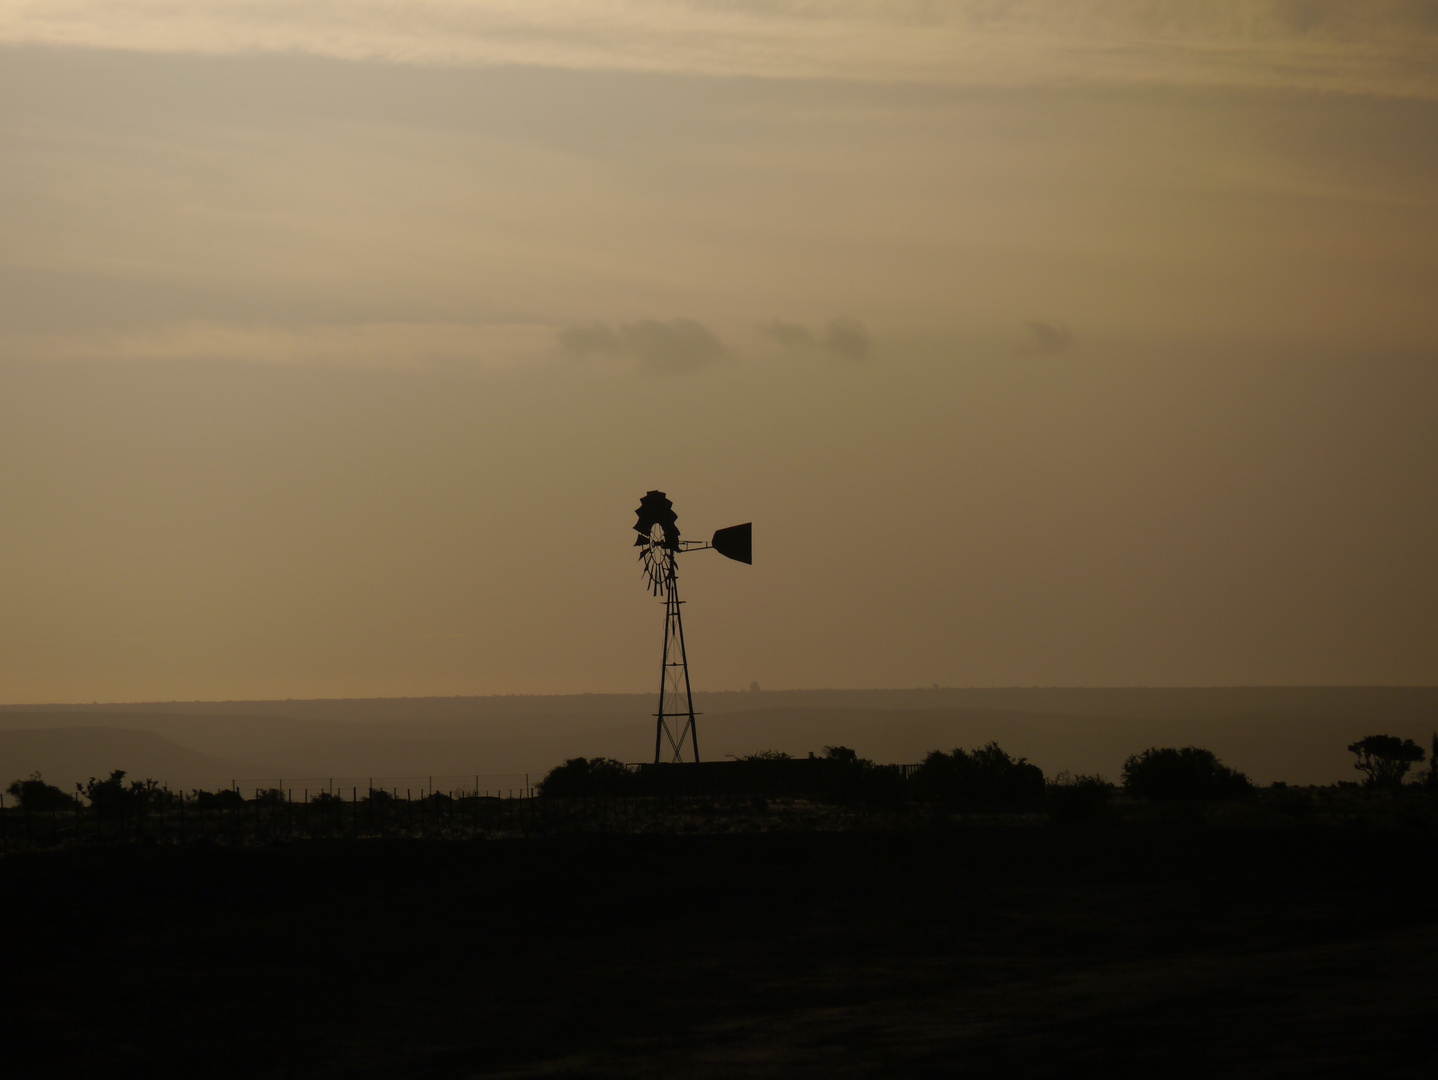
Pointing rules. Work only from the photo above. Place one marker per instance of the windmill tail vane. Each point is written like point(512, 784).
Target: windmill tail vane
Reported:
point(659, 544)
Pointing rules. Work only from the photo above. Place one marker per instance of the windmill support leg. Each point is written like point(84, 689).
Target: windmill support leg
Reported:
point(675, 719)
point(688, 693)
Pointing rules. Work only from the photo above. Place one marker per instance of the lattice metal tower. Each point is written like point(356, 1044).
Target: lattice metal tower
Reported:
point(659, 544)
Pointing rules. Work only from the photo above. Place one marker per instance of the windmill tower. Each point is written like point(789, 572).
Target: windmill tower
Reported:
point(659, 545)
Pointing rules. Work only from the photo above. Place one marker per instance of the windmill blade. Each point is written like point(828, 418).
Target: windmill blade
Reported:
point(736, 542)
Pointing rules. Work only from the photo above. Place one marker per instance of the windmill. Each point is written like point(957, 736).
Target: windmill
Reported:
point(659, 544)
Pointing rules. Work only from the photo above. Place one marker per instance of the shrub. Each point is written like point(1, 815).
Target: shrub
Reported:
point(112, 795)
point(1385, 759)
point(207, 800)
point(1077, 797)
point(35, 794)
point(586, 776)
point(1191, 773)
point(845, 777)
point(986, 779)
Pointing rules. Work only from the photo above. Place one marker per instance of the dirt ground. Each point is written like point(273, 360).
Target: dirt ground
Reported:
point(975, 949)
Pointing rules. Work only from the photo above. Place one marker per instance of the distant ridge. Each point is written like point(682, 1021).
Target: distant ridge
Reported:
point(67, 756)
point(1395, 702)
point(1295, 734)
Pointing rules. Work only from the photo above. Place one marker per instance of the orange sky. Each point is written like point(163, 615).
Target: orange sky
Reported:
point(1082, 344)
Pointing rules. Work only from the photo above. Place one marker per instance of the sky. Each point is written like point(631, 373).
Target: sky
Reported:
point(1044, 343)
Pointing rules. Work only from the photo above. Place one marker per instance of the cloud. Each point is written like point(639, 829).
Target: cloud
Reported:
point(1378, 46)
point(792, 336)
point(845, 339)
point(676, 347)
point(394, 345)
point(841, 339)
point(1046, 339)
point(595, 339)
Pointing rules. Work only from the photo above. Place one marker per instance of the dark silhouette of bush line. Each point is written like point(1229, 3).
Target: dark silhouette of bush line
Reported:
point(35, 794)
point(986, 779)
point(1077, 798)
point(217, 800)
point(1385, 759)
point(583, 777)
point(845, 777)
point(113, 796)
point(1190, 774)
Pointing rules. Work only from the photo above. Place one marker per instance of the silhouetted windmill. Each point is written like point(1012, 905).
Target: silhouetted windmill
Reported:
point(659, 543)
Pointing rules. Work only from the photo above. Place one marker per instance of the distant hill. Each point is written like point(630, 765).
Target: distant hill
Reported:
point(67, 756)
point(1297, 734)
point(1418, 703)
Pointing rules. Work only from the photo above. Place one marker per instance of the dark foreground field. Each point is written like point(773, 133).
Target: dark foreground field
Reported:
point(987, 949)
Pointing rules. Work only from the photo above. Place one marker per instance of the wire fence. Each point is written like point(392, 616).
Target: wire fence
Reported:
point(266, 809)
point(269, 816)
point(272, 814)
point(453, 785)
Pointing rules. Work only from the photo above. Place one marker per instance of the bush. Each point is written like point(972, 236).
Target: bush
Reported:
point(845, 777)
point(1385, 759)
point(35, 794)
point(586, 776)
point(112, 796)
point(1077, 798)
point(1189, 774)
point(986, 779)
point(218, 800)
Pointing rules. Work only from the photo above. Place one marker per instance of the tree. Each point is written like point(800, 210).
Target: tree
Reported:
point(35, 794)
point(1190, 773)
point(1385, 759)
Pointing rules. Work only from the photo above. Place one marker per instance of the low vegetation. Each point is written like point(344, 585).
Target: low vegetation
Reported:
point(834, 789)
point(1385, 759)
point(986, 779)
point(1190, 774)
point(35, 794)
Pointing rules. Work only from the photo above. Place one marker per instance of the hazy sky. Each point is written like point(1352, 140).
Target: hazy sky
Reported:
point(1043, 342)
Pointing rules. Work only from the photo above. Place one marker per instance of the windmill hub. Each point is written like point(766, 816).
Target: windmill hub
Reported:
point(659, 544)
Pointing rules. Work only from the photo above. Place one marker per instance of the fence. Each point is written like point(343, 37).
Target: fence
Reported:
point(356, 814)
point(265, 809)
point(272, 814)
